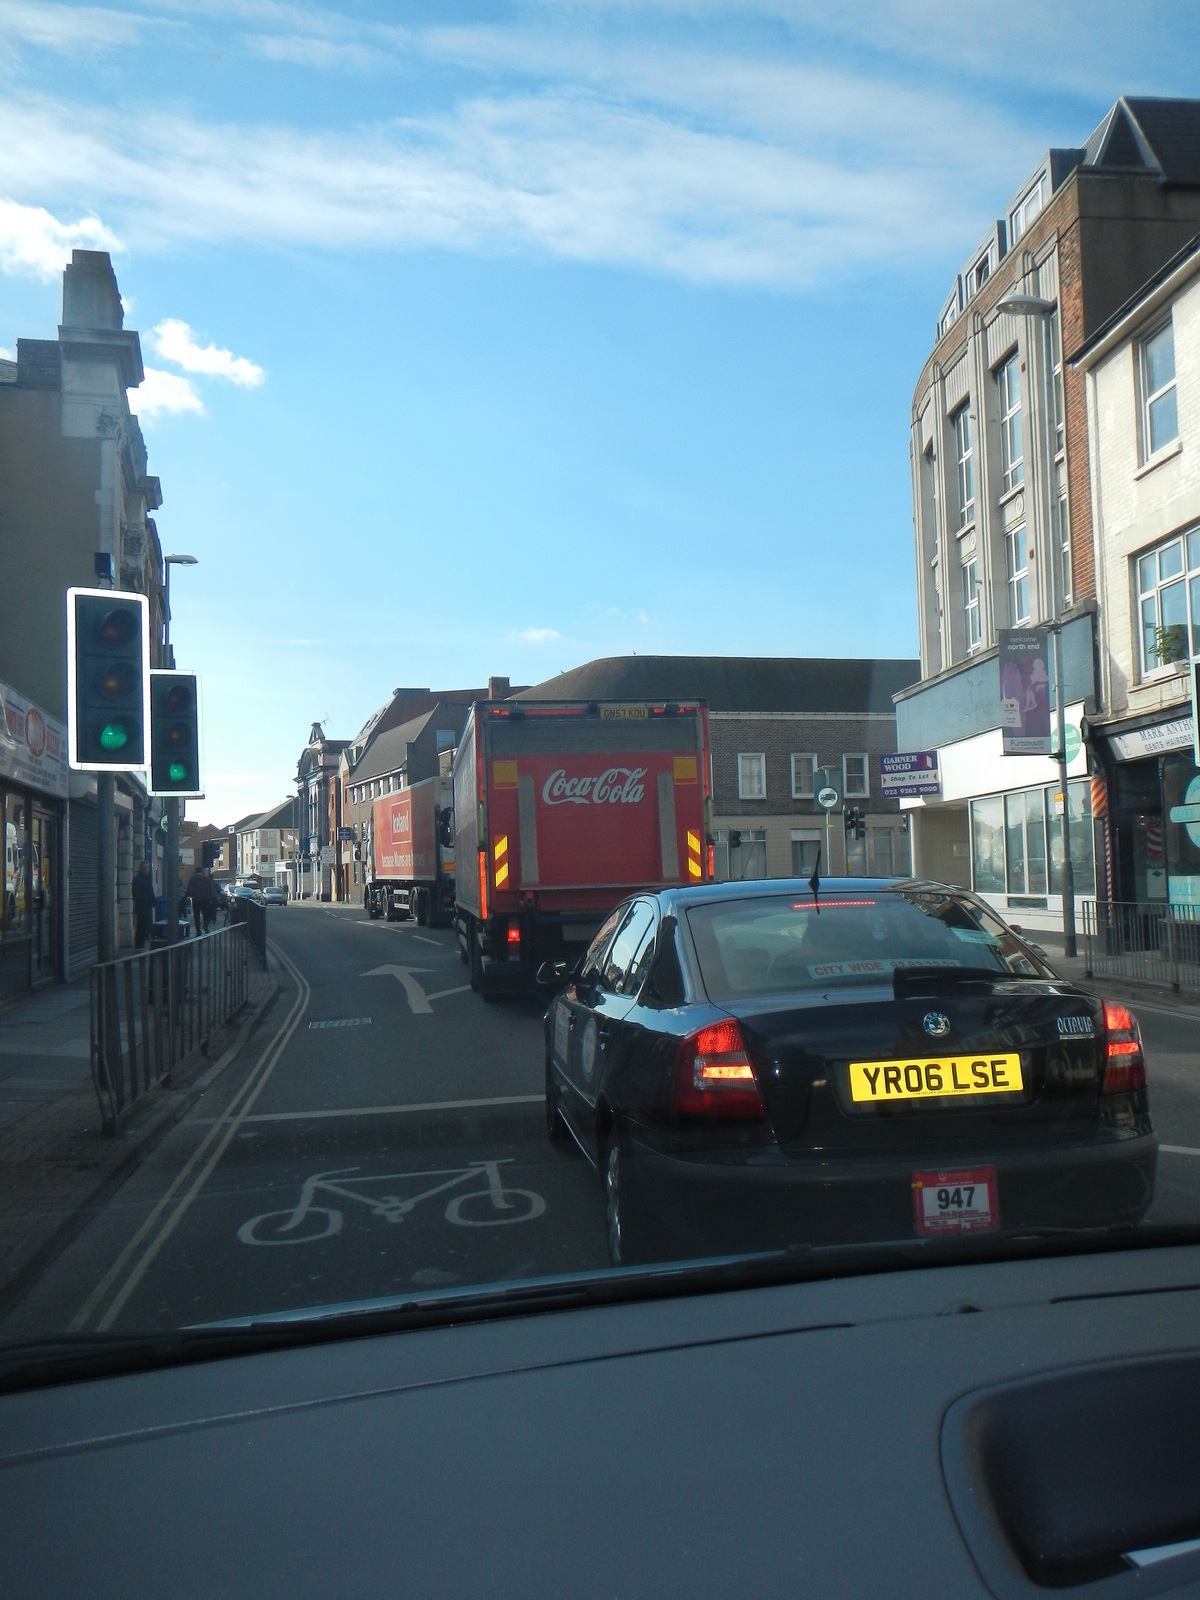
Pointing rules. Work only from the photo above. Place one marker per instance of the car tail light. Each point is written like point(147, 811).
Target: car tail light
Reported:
point(1124, 1063)
point(713, 1075)
point(514, 933)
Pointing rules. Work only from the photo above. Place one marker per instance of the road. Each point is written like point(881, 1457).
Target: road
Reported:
point(383, 1131)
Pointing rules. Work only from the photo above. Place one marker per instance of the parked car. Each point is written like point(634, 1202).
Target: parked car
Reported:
point(771, 1065)
point(248, 891)
point(273, 895)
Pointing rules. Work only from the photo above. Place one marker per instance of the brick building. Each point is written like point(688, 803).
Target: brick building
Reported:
point(1002, 500)
point(773, 723)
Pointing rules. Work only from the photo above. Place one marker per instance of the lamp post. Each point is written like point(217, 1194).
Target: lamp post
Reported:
point(171, 853)
point(1032, 305)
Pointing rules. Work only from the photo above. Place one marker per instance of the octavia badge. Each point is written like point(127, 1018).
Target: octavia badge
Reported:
point(936, 1024)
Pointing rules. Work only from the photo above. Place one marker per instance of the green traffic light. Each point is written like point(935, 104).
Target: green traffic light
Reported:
point(177, 772)
point(114, 736)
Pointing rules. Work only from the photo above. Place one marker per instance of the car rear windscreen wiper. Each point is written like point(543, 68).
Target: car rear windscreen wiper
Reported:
point(936, 979)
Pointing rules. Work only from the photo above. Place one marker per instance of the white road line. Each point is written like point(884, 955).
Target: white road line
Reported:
point(436, 943)
point(440, 994)
point(1179, 1150)
point(246, 1095)
point(398, 1111)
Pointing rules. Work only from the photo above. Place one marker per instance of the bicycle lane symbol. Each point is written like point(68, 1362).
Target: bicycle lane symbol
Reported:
point(486, 1205)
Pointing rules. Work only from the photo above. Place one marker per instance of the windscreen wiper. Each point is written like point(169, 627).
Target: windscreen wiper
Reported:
point(814, 883)
point(934, 978)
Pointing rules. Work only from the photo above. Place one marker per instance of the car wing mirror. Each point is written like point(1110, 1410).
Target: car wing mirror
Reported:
point(557, 972)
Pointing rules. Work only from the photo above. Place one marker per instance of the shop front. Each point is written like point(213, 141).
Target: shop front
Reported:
point(33, 790)
point(1154, 812)
point(996, 826)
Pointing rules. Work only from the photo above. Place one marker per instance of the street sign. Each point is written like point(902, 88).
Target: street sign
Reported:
point(345, 834)
point(829, 788)
point(328, 855)
point(909, 773)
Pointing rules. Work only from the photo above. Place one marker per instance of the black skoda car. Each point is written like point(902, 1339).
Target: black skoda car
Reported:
point(771, 1064)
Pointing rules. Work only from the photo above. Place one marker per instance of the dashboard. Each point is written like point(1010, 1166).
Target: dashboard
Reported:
point(1005, 1429)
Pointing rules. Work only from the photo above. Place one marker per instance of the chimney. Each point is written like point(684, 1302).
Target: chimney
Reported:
point(90, 295)
point(498, 688)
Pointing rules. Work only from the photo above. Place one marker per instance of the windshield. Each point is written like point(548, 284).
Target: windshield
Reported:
point(599, 620)
point(802, 943)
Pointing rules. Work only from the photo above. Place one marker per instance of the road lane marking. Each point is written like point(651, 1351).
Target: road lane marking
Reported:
point(1179, 1150)
point(342, 1022)
point(399, 1111)
point(436, 943)
point(418, 1004)
point(440, 994)
point(247, 1095)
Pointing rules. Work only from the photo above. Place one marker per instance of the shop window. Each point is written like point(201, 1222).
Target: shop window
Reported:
point(987, 845)
point(1025, 844)
point(1080, 830)
point(740, 853)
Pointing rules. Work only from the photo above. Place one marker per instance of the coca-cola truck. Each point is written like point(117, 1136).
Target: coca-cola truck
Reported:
point(562, 808)
point(410, 856)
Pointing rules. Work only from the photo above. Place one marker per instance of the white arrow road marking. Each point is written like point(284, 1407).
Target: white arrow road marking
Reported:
point(418, 1004)
point(462, 988)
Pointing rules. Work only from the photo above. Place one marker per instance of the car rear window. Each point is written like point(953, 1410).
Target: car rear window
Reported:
point(773, 942)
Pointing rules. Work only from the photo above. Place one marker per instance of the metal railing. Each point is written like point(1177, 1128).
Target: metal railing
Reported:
point(151, 1009)
point(1155, 943)
point(253, 918)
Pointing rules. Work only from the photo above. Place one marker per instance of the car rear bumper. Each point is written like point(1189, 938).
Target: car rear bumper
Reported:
point(712, 1206)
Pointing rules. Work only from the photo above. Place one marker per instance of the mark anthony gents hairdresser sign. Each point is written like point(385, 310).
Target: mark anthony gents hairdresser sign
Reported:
point(32, 745)
point(1024, 692)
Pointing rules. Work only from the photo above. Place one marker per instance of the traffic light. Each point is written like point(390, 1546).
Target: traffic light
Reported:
point(210, 852)
point(856, 823)
point(175, 733)
point(108, 680)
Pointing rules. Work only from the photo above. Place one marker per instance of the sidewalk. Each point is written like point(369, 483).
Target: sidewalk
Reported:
point(1187, 1003)
point(57, 1164)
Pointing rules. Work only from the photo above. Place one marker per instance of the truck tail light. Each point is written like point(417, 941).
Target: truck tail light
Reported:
point(713, 1075)
point(1124, 1063)
point(513, 936)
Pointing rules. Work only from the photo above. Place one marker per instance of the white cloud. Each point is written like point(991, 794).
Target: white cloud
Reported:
point(34, 243)
point(69, 28)
point(7, 355)
point(176, 342)
point(164, 394)
point(537, 635)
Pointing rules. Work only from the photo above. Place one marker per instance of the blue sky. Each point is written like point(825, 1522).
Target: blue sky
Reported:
point(489, 338)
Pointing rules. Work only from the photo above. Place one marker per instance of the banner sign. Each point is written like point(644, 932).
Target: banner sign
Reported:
point(909, 774)
point(1024, 692)
point(33, 746)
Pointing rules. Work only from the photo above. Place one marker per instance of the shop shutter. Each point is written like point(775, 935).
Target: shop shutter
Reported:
point(81, 868)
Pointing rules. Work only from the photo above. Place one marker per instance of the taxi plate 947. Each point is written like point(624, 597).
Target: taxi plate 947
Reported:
point(934, 1078)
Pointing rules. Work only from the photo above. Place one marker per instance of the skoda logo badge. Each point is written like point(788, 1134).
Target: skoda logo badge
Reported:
point(936, 1024)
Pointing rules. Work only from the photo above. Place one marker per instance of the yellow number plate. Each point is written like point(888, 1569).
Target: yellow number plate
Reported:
point(878, 1082)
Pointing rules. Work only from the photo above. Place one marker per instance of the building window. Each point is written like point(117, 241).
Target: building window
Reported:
point(1012, 449)
point(1061, 534)
point(972, 621)
point(1026, 209)
point(806, 847)
point(752, 777)
point(854, 777)
point(1054, 363)
point(1156, 360)
point(804, 776)
point(1016, 562)
point(1168, 581)
point(964, 450)
point(740, 853)
point(1025, 843)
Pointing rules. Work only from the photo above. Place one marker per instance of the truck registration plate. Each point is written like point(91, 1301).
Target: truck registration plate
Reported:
point(956, 1202)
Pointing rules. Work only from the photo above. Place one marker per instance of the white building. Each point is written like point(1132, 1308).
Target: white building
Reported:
point(1143, 394)
point(266, 842)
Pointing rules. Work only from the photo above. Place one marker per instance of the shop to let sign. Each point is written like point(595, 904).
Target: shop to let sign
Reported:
point(909, 774)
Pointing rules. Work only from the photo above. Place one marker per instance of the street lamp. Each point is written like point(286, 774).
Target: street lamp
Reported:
point(168, 563)
point(1032, 305)
point(171, 853)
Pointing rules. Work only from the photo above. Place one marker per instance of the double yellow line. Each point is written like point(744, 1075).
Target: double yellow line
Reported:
point(139, 1254)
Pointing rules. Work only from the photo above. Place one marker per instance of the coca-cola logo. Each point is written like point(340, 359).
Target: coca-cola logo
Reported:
point(35, 732)
point(615, 786)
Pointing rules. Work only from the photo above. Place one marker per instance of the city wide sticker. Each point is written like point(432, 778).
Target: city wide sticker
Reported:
point(880, 1082)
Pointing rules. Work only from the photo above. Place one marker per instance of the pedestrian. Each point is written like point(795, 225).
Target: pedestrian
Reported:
point(143, 905)
point(200, 889)
point(213, 903)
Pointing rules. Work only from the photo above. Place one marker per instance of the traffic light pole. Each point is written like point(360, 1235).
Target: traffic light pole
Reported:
point(106, 866)
point(171, 869)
